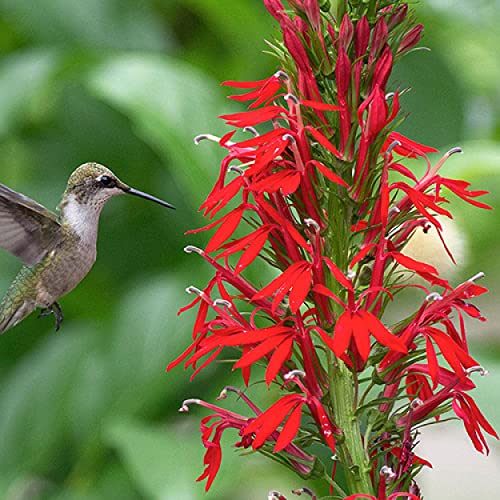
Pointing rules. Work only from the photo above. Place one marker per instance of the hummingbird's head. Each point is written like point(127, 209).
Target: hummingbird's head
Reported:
point(94, 184)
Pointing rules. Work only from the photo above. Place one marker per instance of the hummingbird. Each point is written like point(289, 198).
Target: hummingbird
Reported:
point(57, 250)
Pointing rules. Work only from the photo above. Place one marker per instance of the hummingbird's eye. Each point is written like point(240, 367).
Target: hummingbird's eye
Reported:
point(106, 181)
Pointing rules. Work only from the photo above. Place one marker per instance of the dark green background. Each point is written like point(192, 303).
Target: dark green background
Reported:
point(88, 413)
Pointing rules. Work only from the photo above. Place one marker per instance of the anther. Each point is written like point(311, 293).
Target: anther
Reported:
point(206, 137)
point(392, 146)
point(289, 137)
point(292, 98)
point(389, 95)
point(185, 404)
point(304, 489)
point(193, 249)
point(294, 373)
point(234, 168)
point(252, 130)
point(387, 471)
point(281, 75)
point(416, 403)
point(433, 296)
point(477, 369)
point(394, 210)
point(351, 274)
point(312, 223)
point(453, 151)
point(476, 277)
point(222, 302)
point(275, 495)
point(193, 289)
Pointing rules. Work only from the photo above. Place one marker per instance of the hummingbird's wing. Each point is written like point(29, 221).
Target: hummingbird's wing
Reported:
point(27, 229)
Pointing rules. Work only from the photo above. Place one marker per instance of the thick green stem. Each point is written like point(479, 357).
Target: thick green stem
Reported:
point(342, 383)
point(351, 449)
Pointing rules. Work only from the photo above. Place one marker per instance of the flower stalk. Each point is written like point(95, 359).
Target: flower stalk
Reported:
point(318, 192)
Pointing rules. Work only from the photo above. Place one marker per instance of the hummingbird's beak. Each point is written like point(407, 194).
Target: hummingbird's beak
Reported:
point(146, 196)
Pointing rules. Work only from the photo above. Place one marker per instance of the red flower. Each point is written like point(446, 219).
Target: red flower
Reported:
point(320, 193)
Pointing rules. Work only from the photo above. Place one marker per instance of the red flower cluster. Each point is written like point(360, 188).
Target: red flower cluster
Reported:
point(327, 204)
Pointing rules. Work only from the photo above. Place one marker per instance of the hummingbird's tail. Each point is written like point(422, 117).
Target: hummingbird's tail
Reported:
point(16, 305)
point(14, 311)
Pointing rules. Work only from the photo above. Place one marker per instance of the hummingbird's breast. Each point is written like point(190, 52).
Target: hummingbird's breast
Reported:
point(63, 268)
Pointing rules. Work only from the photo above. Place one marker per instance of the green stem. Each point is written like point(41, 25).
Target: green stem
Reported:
point(351, 449)
point(341, 10)
point(342, 382)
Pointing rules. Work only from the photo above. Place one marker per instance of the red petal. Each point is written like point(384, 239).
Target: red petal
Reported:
point(328, 173)
point(381, 333)
point(343, 333)
point(324, 141)
point(299, 290)
point(258, 352)
point(319, 105)
point(253, 250)
point(289, 430)
point(280, 355)
point(416, 265)
point(361, 335)
point(226, 229)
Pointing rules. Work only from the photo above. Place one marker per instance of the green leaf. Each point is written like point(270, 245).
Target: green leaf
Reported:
point(169, 103)
point(93, 23)
point(159, 460)
point(34, 399)
point(24, 78)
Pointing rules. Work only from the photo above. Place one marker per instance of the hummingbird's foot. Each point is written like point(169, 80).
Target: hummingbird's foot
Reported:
point(56, 310)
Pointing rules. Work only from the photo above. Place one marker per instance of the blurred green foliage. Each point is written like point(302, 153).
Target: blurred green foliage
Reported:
point(89, 413)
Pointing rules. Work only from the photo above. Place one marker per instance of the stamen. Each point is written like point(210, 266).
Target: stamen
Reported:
point(281, 75)
point(275, 495)
point(222, 302)
point(206, 137)
point(392, 146)
point(305, 489)
point(291, 97)
point(312, 223)
point(477, 369)
point(193, 289)
point(387, 471)
point(433, 296)
point(234, 168)
point(294, 373)
point(416, 403)
point(453, 151)
point(193, 249)
point(476, 277)
point(185, 404)
point(252, 130)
